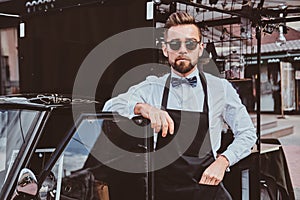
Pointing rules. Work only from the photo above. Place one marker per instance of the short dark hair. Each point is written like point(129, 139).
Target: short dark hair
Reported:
point(181, 18)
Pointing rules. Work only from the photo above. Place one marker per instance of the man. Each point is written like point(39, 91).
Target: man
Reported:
point(187, 91)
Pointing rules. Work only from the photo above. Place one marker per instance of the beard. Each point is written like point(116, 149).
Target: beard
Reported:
point(182, 66)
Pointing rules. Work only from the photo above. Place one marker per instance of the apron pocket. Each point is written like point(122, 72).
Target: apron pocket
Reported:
point(211, 192)
point(207, 192)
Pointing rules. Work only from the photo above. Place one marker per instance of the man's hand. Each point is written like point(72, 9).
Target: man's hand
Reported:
point(160, 120)
point(214, 174)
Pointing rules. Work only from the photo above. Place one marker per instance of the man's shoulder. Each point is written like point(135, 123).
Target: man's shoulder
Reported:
point(217, 85)
point(214, 79)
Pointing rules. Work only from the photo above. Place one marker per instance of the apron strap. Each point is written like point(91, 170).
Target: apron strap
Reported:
point(165, 97)
point(204, 86)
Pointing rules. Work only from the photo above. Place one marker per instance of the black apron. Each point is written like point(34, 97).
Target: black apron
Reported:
point(180, 179)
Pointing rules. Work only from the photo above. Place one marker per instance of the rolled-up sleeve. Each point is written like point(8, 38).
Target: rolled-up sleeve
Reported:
point(141, 93)
point(237, 117)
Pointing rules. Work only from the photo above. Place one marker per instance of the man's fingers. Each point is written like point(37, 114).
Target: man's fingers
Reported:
point(152, 120)
point(207, 180)
point(165, 126)
point(217, 182)
point(212, 181)
point(158, 123)
point(203, 179)
point(155, 122)
point(161, 120)
point(170, 124)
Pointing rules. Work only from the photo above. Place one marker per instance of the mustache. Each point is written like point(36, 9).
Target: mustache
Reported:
point(182, 58)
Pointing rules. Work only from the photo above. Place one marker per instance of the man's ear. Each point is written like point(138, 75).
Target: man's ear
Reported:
point(201, 46)
point(164, 49)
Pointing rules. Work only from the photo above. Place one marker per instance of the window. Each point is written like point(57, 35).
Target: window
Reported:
point(92, 165)
point(14, 127)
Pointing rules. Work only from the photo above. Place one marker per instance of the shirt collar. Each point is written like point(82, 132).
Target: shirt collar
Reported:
point(194, 73)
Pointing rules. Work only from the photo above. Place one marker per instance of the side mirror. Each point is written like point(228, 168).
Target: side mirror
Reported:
point(27, 187)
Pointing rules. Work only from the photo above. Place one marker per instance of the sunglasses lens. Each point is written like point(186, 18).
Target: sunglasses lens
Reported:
point(191, 44)
point(175, 44)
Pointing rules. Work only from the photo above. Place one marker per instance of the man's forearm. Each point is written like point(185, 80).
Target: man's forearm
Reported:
point(214, 174)
point(223, 160)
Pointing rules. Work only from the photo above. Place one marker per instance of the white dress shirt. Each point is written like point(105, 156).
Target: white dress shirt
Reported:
point(223, 102)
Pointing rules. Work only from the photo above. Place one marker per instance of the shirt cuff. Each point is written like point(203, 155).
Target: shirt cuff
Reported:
point(230, 157)
point(130, 112)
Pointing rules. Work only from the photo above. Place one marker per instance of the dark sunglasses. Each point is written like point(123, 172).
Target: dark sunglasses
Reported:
point(190, 44)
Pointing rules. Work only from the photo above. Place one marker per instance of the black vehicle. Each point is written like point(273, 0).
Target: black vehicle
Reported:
point(59, 148)
point(52, 147)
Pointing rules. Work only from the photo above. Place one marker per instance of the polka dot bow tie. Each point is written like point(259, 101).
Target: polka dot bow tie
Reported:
point(178, 81)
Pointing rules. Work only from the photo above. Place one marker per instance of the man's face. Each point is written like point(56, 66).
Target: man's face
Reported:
point(182, 48)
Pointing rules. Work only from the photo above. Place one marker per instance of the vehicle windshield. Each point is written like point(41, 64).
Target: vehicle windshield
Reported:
point(15, 125)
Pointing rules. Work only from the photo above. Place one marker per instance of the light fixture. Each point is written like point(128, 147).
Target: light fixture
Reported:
point(211, 50)
point(245, 28)
point(235, 65)
point(269, 28)
point(281, 40)
point(205, 30)
point(225, 34)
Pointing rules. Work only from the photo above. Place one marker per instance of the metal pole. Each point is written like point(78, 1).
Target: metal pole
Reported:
point(256, 189)
point(258, 91)
point(1, 70)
